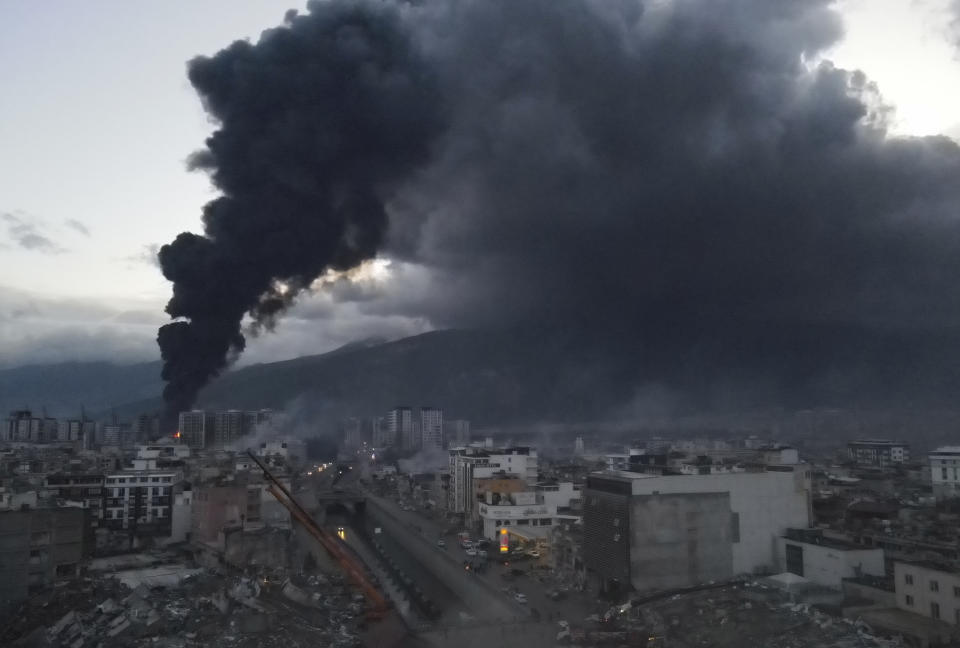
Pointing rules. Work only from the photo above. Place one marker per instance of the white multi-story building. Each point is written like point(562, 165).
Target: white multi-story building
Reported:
point(929, 589)
point(880, 453)
point(170, 451)
point(462, 466)
point(431, 427)
point(140, 501)
point(945, 472)
point(468, 464)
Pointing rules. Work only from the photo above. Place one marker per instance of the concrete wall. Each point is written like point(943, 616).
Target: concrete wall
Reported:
point(764, 505)
point(680, 540)
point(215, 507)
point(606, 529)
point(828, 565)
point(37, 547)
point(881, 598)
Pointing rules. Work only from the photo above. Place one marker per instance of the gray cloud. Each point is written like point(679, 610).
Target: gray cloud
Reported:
point(38, 330)
point(25, 232)
point(73, 223)
point(147, 255)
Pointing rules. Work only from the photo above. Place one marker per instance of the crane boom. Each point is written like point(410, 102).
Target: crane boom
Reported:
point(349, 564)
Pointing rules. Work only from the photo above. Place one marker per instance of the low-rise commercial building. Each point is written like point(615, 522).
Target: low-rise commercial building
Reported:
point(532, 518)
point(824, 560)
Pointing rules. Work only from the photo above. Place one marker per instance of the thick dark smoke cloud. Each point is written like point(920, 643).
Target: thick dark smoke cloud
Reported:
point(317, 123)
point(684, 183)
point(677, 165)
point(681, 181)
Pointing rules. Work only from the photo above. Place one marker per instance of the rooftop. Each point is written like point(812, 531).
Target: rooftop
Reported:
point(887, 442)
point(946, 450)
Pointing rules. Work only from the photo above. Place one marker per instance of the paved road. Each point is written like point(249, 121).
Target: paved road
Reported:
point(574, 608)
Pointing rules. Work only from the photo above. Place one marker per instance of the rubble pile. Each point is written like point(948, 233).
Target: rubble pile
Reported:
point(728, 617)
point(752, 616)
point(257, 608)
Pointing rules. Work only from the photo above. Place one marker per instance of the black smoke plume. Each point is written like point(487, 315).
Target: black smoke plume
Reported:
point(317, 123)
point(687, 189)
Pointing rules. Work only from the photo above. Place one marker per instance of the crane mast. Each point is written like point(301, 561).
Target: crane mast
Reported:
point(329, 542)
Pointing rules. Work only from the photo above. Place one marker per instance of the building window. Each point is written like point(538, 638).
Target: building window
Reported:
point(934, 586)
point(909, 600)
point(935, 610)
point(908, 579)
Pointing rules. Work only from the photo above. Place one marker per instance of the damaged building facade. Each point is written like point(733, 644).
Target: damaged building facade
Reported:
point(38, 547)
point(649, 532)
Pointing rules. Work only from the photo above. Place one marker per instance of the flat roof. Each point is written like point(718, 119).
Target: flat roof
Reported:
point(876, 442)
point(932, 565)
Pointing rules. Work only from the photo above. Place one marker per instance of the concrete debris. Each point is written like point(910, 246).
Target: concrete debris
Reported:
point(726, 617)
point(221, 608)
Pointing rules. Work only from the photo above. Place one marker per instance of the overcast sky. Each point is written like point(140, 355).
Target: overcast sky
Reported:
point(97, 118)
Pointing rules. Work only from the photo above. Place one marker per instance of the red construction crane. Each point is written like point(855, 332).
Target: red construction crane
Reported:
point(378, 604)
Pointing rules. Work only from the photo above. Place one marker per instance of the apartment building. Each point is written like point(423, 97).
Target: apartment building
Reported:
point(928, 588)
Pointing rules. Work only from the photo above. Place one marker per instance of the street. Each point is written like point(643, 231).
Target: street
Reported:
point(534, 583)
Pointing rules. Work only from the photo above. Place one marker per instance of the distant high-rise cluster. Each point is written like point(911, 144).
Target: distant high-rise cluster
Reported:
point(406, 429)
point(202, 429)
point(24, 426)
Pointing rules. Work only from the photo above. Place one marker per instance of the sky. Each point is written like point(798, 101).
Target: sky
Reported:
point(98, 119)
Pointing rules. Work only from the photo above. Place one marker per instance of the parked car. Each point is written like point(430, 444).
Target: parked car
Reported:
point(441, 544)
point(520, 597)
point(471, 552)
